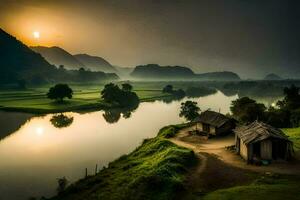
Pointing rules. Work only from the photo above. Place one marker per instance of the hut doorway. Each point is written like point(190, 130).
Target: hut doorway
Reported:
point(256, 149)
point(206, 128)
point(278, 149)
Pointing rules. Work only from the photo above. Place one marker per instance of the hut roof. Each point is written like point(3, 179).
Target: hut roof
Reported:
point(212, 118)
point(258, 131)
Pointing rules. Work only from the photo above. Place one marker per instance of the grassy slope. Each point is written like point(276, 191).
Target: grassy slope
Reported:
point(155, 170)
point(270, 188)
point(85, 97)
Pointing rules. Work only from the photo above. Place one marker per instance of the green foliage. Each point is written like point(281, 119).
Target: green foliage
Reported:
point(277, 117)
point(168, 89)
point(291, 100)
point(288, 114)
point(154, 171)
point(189, 110)
point(247, 110)
point(126, 87)
point(61, 120)
point(275, 189)
point(113, 94)
point(59, 92)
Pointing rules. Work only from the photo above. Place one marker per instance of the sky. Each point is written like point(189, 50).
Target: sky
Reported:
point(250, 37)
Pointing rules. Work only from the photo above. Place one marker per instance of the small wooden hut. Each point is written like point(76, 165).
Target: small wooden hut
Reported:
point(262, 141)
point(214, 123)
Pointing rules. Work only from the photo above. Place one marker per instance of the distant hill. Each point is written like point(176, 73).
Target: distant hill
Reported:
point(95, 63)
point(154, 71)
point(17, 61)
point(272, 77)
point(58, 56)
point(222, 76)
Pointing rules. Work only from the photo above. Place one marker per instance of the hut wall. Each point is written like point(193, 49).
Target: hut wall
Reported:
point(266, 149)
point(200, 126)
point(212, 130)
point(243, 150)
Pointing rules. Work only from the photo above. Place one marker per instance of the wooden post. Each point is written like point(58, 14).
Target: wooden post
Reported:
point(96, 168)
point(86, 172)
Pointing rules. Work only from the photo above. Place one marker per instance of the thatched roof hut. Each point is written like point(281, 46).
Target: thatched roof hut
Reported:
point(214, 123)
point(262, 141)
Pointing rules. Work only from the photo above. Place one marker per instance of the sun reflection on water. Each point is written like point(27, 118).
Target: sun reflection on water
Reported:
point(39, 131)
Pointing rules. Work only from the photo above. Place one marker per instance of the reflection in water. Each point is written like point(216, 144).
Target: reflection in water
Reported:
point(113, 115)
point(61, 120)
point(171, 99)
point(38, 153)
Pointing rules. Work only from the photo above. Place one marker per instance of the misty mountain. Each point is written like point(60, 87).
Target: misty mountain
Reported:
point(58, 56)
point(154, 71)
point(272, 77)
point(95, 63)
point(222, 76)
point(17, 61)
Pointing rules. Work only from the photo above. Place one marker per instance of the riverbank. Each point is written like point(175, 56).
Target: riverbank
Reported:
point(164, 170)
point(154, 170)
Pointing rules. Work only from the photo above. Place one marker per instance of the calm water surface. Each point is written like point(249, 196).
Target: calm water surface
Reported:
point(36, 153)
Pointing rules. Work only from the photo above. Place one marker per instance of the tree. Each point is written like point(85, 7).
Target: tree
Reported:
point(189, 110)
point(126, 87)
point(291, 100)
point(113, 94)
point(247, 110)
point(59, 92)
point(168, 89)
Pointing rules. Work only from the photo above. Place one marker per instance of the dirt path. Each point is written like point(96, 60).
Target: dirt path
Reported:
point(216, 147)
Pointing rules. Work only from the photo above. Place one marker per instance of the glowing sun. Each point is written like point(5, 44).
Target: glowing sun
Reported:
point(36, 34)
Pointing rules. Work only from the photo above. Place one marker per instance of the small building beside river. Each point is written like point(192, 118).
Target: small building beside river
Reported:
point(260, 141)
point(214, 123)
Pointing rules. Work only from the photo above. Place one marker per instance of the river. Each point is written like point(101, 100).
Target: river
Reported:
point(36, 150)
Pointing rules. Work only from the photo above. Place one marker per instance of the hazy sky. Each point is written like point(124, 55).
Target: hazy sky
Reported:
point(250, 37)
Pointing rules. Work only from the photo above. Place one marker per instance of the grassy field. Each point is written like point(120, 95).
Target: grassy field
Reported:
point(85, 97)
point(154, 171)
point(294, 135)
point(263, 189)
